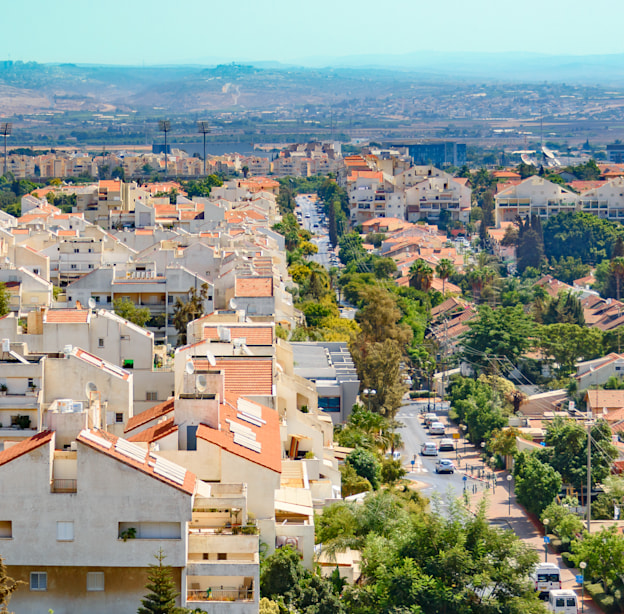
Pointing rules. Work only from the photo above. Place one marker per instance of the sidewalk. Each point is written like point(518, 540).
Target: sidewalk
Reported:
point(514, 517)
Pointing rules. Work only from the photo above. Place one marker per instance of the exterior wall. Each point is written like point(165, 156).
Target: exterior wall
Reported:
point(96, 509)
point(124, 587)
point(67, 378)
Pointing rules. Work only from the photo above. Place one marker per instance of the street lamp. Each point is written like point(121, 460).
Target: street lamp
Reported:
point(464, 428)
point(483, 456)
point(546, 523)
point(369, 392)
point(583, 565)
point(509, 478)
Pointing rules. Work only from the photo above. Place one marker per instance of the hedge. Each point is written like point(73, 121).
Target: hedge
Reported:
point(604, 601)
point(565, 556)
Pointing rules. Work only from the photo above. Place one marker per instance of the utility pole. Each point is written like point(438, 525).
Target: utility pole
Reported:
point(5, 131)
point(203, 128)
point(589, 422)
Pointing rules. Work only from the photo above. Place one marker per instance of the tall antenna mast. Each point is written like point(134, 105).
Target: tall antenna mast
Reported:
point(164, 125)
point(203, 128)
point(5, 130)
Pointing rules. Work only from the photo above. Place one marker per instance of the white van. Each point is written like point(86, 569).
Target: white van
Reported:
point(563, 602)
point(547, 577)
point(429, 448)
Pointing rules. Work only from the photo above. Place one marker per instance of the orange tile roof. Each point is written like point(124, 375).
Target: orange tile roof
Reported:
point(611, 399)
point(254, 335)
point(503, 175)
point(67, 233)
point(20, 231)
point(254, 287)
point(26, 446)
point(153, 413)
point(267, 435)
point(584, 186)
point(243, 374)
point(146, 466)
point(143, 232)
point(66, 316)
point(110, 184)
point(156, 432)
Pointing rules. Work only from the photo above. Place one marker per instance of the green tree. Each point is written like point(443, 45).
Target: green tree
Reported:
point(562, 521)
point(566, 451)
point(566, 344)
point(530, 249)
point(189, 310)
point(617, 270)
point(603, 551)
point(421, 276)
point(5, 300)
point(445, 269)
point(351, 249)
point(280, 574)
point(497, 334)
point(384, 268)
point(7, 587)
point(268, 607)
point(537, 483)
point(162, 596)
point(366, 465)
point(127, 310)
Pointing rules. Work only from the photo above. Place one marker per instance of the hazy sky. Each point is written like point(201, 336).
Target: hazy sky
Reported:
point(204, 31)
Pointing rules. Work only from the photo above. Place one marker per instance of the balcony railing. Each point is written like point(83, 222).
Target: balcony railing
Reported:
point(220, 594)
point(64, 486)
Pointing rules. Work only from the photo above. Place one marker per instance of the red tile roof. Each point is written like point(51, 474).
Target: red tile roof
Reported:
point(254, 287)
point(26, 446)
point(146, 466)
point(156, 432)
point(254, 335)
point(267, 435)
point(243, 374)
point(153, 413)
point(66, 316)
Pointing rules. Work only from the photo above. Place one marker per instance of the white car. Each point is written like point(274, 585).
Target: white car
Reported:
point(437, 428)
point(446, 445)
point(429, 448)
point(444, 465)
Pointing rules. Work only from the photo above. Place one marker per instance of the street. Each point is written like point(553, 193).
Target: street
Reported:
point(423, 469)
point(314, 220)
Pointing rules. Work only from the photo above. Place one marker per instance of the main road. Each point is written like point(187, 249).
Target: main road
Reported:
point(422, 468)
point(314, 220)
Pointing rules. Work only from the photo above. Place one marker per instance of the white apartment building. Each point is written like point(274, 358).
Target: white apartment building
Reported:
point(605, 201)
point(533, 196)
point(429, 198)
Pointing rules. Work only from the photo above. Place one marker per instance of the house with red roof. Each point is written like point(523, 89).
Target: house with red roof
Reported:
point(83, 524)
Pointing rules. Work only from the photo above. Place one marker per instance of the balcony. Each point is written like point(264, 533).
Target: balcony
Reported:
point(63, 486)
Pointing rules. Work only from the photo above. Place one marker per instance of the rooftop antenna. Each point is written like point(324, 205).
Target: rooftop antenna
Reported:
point(164, 125)
point(203, 128)
point(5, 130)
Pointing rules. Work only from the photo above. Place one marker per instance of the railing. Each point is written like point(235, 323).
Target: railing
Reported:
point(220, 594)
point(64, 486)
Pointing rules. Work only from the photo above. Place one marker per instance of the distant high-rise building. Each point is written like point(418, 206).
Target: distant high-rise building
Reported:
point(615, 153)
point(436, 153)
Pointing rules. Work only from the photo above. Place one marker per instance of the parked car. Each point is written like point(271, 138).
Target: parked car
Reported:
point(437, 428)
point(446, 445)
point(444, 465)
point(429, 418)
point(429, 448)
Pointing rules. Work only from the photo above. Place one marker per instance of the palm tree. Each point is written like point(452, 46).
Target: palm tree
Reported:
point(617, 269)
point(444, 269)
point(421, 276)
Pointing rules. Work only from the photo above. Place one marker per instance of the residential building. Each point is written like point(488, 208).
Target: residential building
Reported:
point(605, 200)
point(433, 196)
point(533, 196)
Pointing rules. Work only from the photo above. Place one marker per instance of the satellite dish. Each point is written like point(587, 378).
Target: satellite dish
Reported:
point(211, 359)
point(90, 389)
point(201, 383)
point(190, 367)
point(91, 303)
point(233, 304)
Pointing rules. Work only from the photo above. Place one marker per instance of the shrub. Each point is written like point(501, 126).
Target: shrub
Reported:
point(565, 556)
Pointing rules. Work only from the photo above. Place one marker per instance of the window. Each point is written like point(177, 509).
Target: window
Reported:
point(38, 581)
point(65, 531)
point(101, 342)
point(153, 530)
point(76, 250)
point(90, 266)
point(119, 417)
point(95, 580)
point(109, 299)
point(73, 266)
point(97, 299)
point(6, 529)
point(221, 556)
point(151, 396)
